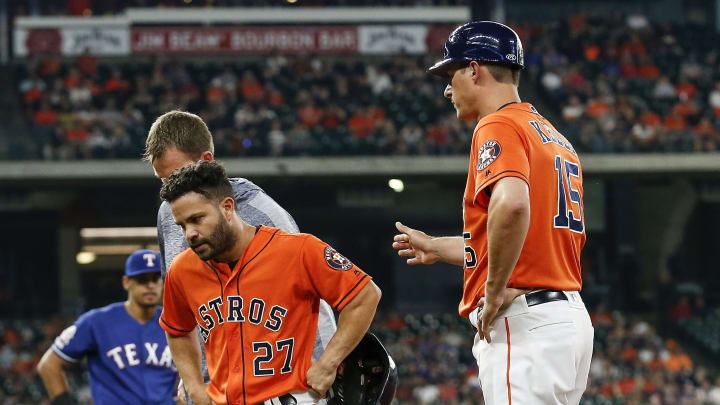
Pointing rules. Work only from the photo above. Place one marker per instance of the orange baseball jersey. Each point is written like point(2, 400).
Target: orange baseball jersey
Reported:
point(517, 141)
point(258, 320)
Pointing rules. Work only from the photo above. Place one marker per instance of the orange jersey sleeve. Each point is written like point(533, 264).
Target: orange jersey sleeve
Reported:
point(177, 318)
point(335, 278)
point(500, 151)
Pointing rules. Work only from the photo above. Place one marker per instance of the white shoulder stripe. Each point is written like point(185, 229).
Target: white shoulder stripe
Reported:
point(63, 355)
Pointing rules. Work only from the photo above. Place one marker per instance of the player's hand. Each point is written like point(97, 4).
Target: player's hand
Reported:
point(320, 378)
point(180, 396)
point(414, 244)
point(491, 305)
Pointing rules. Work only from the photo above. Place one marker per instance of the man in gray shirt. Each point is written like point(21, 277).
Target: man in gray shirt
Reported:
point(179, 138)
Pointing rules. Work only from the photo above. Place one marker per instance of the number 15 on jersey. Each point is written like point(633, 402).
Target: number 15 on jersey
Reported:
point(565, 218)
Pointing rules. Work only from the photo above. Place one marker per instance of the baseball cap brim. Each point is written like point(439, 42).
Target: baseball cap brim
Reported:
point(139, 272)
point(442, 67)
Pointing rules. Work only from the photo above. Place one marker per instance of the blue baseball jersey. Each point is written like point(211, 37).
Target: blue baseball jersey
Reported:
point(128, 362)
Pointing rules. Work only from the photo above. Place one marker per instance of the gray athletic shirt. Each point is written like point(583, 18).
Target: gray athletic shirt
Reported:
point(255, 207)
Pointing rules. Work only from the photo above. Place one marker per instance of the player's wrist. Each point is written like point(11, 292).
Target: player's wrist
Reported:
point(196, 392)
point(328, 363)
point(493, 292)
point(63, 399)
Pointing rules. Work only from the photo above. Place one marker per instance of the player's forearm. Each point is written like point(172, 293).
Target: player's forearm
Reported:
point(508, 223)
point(51, 371)
point(353, 322)
point(186, 354)
point(450, 249)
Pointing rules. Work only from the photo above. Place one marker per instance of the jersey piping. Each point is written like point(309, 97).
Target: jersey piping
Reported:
point(350, 292)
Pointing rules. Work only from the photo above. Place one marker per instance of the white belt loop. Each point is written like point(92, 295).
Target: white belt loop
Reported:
point(574, 299)
point(473, 317)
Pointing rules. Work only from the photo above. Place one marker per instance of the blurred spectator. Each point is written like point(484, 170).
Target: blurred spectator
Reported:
point(682, 309)
point(677, 360)
point(276, 139)
point(573, 110)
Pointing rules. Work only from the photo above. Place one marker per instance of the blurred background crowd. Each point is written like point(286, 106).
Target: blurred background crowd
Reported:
point(611, 84)
point(633, 362)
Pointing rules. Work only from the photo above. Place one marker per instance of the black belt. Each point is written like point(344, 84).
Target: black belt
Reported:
point(543, 296)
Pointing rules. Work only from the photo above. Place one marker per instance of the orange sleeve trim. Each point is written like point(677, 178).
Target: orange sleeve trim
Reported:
point(341, 304)
point(498, 176)
point(173, 330)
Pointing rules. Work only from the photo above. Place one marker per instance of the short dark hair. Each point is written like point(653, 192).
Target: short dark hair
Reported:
point(504, 73)
point(180, 129)
point(207, 178)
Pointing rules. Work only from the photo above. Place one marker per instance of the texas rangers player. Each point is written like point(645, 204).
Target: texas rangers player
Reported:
point(523, 229)
point(179, 138)
point(254, 292)
point(129, 360)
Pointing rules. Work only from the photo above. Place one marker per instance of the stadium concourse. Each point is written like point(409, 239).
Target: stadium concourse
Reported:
point(615, 85)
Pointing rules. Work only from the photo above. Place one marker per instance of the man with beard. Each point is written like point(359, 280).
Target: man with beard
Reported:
point(179, 138)
point(129, 360)
point(254, 292)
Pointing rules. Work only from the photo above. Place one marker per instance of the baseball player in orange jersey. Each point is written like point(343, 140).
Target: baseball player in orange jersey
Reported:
point(254, 291)
point(523, 229)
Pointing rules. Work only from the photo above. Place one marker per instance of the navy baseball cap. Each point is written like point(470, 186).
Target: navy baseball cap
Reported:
point(142, 261)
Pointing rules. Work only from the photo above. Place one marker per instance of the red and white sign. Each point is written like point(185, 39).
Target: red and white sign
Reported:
point(72, 41)
point(209, 40)
point(392, 39)
point(103, 39)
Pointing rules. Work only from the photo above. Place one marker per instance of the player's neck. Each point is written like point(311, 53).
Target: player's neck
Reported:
point(140, 313)
point(245, 233)
point(503, 94)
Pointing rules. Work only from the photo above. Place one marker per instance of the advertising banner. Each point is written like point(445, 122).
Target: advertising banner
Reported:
point(251, 40)
point(392, 39)
point(72, 41)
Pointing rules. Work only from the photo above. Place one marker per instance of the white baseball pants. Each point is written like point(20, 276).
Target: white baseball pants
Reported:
point(539, 355)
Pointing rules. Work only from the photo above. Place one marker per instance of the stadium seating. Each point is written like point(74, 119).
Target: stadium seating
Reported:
point(624, 84)
point(277, 106)
point(609, 84)
point(632, 363)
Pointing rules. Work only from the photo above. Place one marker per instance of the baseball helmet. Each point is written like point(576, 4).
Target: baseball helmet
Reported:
point(483, 41)
point(367, 376)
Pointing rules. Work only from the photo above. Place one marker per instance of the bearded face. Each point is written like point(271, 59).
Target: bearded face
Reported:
point(205, 225)
point(220, 240)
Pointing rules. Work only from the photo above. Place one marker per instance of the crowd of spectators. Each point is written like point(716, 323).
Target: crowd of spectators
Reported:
point(22, 344)
point(624, 84)
point(632, 363)
point(279, 105)
point(610, 85)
